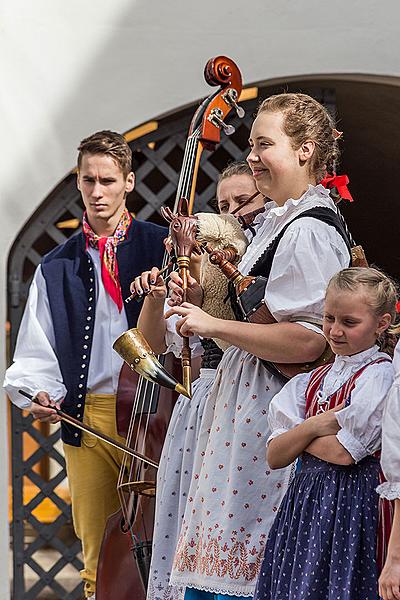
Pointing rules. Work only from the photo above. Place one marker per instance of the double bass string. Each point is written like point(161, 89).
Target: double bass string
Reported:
point(187, 166)
point(183, 186)
point(182, 175)
point(184, 180)
point(124, 464)
point(146, 389)
point(134, 467)
point(129, 507)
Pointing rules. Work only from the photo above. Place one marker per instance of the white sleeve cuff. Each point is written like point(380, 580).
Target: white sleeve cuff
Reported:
point(174, 344)
point(310, 326)
point(389, 490)
point(275, 434)
point(352, 445)
point(56, 392)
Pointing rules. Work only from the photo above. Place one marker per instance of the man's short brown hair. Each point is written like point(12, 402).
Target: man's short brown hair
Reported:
point(110, 143)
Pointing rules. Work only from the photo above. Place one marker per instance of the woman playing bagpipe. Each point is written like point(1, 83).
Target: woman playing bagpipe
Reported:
point(299, 244)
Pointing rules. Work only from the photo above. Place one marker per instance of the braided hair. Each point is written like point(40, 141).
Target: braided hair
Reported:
point(306, 119)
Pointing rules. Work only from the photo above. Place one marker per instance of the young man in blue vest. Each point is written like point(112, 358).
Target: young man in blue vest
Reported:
point(74, 312)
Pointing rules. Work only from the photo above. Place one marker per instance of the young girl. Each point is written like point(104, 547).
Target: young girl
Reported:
point(298, 246)
point(235, 188)
point(322, 544)
point(389, 581)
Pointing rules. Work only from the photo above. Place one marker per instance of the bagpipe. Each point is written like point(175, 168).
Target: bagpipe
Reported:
point(204, 133)
point(194, 233)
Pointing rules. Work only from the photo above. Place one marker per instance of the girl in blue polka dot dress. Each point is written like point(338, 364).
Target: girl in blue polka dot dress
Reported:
point(323, 543)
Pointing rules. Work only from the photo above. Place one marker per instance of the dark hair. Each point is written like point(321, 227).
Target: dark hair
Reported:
point(306, 119)
point(238, 167)
point(109, 143)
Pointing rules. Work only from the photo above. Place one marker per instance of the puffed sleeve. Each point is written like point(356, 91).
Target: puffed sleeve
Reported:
point(361, 421)
point(35, 367)
point(390, 457)
point(287, 408)
point(396, 363)
point(308, 255)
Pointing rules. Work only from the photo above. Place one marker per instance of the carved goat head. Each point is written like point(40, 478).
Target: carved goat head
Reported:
point(182, 228)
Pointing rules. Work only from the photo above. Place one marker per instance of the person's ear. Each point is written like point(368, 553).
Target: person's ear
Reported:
point(383, 323)
point(306, 150)
point(78, 185)
point(130, 182)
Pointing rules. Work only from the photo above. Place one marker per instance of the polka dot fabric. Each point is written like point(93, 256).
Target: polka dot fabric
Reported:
point(322, 545)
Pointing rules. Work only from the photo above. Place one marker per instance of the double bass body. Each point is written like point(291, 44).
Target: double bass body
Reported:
point(126, 548)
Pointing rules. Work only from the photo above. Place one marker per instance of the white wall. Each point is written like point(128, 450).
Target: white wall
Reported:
point(70, 68)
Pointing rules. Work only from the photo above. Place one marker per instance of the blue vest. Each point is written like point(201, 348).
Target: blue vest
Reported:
point(70, 281)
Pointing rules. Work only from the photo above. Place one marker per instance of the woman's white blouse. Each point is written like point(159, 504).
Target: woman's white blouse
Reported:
point(390, 457)
point(360, 422)
point(302, 249)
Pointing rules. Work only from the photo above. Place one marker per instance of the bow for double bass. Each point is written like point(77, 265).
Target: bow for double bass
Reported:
point(94, 432)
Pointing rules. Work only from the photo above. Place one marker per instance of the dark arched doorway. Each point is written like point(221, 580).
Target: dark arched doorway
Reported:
point(368, 113)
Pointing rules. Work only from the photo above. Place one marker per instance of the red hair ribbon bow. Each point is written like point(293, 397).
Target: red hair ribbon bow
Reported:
point(398, 307)
point(340, 183)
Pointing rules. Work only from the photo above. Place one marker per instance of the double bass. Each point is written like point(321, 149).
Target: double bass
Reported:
point(124, 561)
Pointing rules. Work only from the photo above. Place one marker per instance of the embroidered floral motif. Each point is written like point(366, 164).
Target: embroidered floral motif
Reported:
point(235, 561)
point(217, 559)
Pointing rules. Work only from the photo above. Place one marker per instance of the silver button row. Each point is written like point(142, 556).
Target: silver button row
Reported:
point(85, 346)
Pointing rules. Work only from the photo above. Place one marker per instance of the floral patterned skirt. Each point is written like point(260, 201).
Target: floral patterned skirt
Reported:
point(173, 480)
point(234, 496)
point(322, 545)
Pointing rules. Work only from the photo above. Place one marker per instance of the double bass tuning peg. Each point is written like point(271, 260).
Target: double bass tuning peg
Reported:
point(216, 119)
point(230, 98)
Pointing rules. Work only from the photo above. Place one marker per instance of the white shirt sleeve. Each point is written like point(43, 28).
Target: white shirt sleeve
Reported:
point(174, 341)
point(390, 457)
point(35, 366)
point(287, 408)
point(308, 255)
point(361, 421)
point(396, 363)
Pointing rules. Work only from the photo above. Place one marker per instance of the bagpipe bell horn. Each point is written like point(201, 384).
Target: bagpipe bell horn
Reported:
point(134, 349)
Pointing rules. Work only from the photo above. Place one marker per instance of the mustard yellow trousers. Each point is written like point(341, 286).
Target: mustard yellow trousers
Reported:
point(93, 470)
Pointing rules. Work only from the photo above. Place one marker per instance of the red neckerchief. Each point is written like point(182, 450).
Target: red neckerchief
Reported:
point(107, 249)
